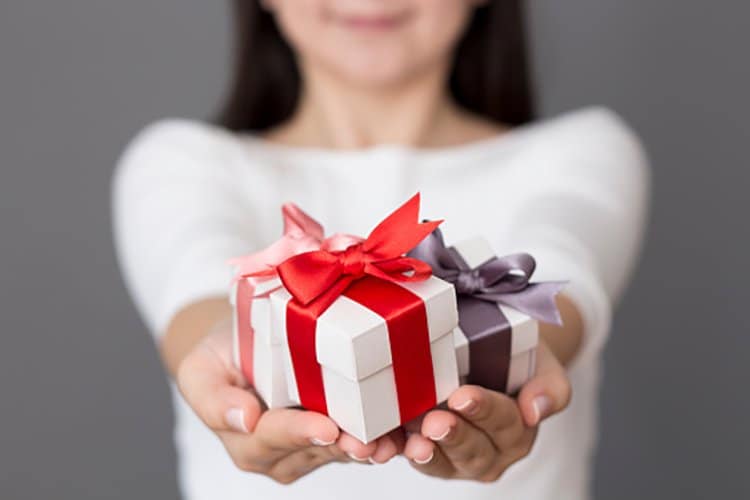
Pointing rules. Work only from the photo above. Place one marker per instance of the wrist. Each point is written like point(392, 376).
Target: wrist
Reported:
point(189, 326)
point(564, 341)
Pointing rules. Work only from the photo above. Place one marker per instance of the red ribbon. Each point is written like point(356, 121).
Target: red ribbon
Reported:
point(324, 274)
point(365, 272)
point(409, 337)
point(301, 233)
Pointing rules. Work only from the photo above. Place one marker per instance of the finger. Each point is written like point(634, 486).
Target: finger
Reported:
point(426, 457)
point(298, 464)
point(209, 388)
point(283, 430)
point(356, 449)
point(414, 425)
point(471, 451)
point(488, 410)
point(389, 446)
point(548, 392)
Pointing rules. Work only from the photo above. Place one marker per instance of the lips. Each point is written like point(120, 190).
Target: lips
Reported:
point(373, 22)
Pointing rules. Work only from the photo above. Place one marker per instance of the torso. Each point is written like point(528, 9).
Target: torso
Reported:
point(486, 187)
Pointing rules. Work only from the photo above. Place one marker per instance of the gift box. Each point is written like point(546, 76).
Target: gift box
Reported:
point(499, 310)
point(368, 332)
point(258, 350)
point(359, 358)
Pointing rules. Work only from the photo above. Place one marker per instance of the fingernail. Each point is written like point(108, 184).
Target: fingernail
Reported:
point(235, 419)
point(469, 407)
point(542, 405)
point(372, 461)
point(424, 460)
point(355, 457)
point(442, 436)
point(320, 442)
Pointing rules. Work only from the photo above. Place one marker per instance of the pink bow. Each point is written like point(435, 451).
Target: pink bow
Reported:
point(302, 233)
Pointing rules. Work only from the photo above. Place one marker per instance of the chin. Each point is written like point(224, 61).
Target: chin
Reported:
point(376, 66)
point(374, 73)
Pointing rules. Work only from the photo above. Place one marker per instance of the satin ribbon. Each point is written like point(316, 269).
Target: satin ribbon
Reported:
point(301, 233)
point(365, 272)
point(480, 290)
point(503, 280)
point(322, 275)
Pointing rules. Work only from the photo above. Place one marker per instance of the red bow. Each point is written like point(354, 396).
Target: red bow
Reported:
point(322, 275)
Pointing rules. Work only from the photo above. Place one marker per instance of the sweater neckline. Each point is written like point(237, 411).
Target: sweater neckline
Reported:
point(329, 156)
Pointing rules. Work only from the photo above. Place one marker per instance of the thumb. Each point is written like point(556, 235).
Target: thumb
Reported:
point(209, 386)
point(548, 392)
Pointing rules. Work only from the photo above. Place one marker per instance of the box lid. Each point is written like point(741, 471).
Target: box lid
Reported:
point(353, 340)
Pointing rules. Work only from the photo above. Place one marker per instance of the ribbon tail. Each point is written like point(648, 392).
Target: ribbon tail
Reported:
point(400, 231)
point(309, 274)
point(298, 223)
point(536, 300)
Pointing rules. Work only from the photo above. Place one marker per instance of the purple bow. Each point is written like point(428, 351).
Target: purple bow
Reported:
point(503, 280)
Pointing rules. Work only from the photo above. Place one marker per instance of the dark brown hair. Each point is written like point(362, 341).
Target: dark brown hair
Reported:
point(490, 74)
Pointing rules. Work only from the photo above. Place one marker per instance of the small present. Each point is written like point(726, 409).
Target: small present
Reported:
point(368, 331)
point(258, 350)
point(498, 310)
point(258, 353)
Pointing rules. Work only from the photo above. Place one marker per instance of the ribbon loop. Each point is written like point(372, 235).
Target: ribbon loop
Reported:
point(324, 274)
point(302, 233)
point(503, 280)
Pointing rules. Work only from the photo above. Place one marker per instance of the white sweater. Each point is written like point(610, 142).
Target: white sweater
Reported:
point(572, 191)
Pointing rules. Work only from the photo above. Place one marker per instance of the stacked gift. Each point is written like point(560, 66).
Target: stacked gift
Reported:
point(368, 331)
point(499, 310)
point(354, 329)
point(258, 349)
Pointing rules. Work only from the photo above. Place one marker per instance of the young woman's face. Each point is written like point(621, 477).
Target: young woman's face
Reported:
point(373, 42)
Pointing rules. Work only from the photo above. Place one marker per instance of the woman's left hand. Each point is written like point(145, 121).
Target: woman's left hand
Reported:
point(486, 432)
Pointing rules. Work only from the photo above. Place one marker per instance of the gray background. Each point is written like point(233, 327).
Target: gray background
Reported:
point(84, 411)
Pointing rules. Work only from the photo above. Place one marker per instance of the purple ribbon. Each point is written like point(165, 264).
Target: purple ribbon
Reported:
point(480, 290)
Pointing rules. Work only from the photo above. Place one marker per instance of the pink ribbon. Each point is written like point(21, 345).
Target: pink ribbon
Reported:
point(302, 234)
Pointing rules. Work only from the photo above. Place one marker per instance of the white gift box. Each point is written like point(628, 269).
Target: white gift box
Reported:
point(524, 329)
point(269, 377)
point(353, 349)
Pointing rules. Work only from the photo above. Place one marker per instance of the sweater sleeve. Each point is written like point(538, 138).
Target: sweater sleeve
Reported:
point(177, 218)
point(585, 214)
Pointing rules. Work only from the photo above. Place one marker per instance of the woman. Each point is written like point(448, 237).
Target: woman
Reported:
point(347, 108)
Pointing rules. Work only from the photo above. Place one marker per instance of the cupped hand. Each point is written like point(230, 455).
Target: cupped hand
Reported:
point(283, 444)
point(485, 432)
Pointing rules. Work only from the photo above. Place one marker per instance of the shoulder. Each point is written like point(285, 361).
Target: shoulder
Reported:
point(179, 138)
point(588, 132)
point(177, 148)
point(593, 141)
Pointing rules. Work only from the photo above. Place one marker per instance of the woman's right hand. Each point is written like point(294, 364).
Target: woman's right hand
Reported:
point(283, 444)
